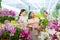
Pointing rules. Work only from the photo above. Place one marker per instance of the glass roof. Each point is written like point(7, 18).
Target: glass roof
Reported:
point(30, 4)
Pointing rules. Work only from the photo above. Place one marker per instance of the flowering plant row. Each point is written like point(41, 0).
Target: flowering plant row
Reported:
point(10, 34)
point(3, 18)
point(6, 14)
point(14, 33)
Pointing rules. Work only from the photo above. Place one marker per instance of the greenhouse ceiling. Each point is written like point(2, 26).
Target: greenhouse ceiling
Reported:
point(30, 4)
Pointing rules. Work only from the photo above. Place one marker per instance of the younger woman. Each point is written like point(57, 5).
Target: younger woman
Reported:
point(22, 20)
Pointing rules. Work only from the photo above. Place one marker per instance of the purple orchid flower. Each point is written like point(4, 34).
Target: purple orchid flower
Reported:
point(6, 12)
point(53, 24)
point(25, 34)
point(12, 13)
point(0, 12)
point(12, 30)
point(5, 28)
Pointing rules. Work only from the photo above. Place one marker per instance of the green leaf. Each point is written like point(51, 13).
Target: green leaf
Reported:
point(5, 34)
point(3, 18)
point(58, 6)
point(44, 22)
point(55, 13)
point(0, 0)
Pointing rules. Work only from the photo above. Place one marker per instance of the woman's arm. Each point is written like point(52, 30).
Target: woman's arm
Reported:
point(30, 22)
point(36, 21)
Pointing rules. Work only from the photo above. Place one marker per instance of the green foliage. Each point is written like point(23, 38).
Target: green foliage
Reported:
point(58, 6)
point(7, 34)
point(0, 3)
point(0, 0)
point(55, 13)
point(44, 22)
point(3, 18)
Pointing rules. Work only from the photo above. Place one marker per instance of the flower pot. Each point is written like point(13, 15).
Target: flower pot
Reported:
point(5, 38)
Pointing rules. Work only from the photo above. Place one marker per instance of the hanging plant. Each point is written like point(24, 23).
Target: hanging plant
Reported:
point(55, 13)
point(58, 6)
point(42, 10)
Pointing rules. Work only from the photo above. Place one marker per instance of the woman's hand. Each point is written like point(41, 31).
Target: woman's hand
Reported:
point(30, 23)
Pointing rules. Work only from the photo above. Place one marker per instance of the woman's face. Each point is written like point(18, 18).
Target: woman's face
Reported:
point(23, 13)
point(32, 14)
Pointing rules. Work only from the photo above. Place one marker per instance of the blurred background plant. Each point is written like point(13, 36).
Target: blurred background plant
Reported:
point(0, 3)
point(55, 12)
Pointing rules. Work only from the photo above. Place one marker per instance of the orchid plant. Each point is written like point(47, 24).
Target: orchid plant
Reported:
point(6, 12)
point(53, 24)
point(25, 34)
point(10, 33)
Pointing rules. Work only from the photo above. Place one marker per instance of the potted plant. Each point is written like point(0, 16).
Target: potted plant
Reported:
point(5, 38)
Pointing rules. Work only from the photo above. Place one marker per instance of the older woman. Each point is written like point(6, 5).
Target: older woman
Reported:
point(33, 22)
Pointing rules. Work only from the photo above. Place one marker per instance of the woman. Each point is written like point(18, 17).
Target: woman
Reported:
point(34, 23)
point(22, 20)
